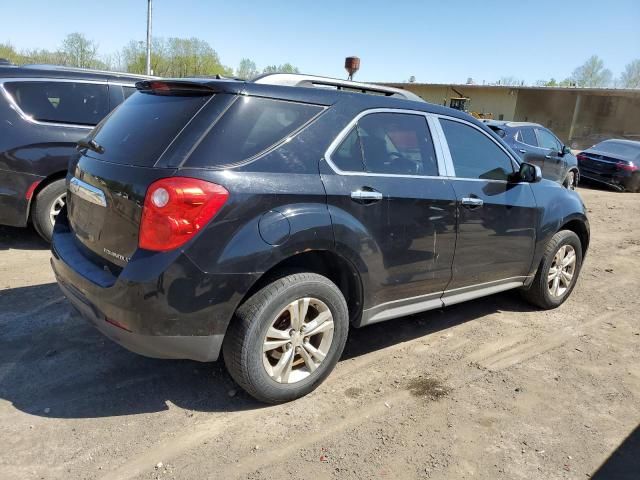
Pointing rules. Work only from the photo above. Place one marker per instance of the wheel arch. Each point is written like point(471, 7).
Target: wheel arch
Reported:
point(580, 228)
point(43, 183)
point(323, 262)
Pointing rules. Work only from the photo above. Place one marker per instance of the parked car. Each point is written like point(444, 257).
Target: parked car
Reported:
point(265, 219)
point(44, 111)
point(613, 162)
point(538, 145)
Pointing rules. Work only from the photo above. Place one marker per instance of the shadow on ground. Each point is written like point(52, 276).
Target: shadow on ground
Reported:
point(624, 462)
point(21, 239)
point(51, 359)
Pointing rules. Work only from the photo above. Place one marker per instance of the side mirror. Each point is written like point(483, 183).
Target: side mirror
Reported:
point(565, 149)
point(529, 173)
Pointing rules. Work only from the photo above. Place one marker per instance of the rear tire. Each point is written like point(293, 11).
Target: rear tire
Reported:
point(302, 359)
point(551, 286)
point(46, 207)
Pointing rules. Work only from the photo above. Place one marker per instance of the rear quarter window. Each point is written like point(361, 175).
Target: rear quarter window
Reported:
point(250, 126)
point(141, 128)
point(74, 103)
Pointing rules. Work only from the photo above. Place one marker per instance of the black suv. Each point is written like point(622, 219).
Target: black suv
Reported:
point(264, 220)
point(44, 111)
point(538, 145)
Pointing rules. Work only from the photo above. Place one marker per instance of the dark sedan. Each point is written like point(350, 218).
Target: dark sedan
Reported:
point(538, 145)
point(613, 162)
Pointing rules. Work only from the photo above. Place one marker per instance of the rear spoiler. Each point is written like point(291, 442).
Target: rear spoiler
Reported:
point(175, 87)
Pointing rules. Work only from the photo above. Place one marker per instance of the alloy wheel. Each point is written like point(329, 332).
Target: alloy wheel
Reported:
point(562, 271)
point(56, 207)
point(298, 340)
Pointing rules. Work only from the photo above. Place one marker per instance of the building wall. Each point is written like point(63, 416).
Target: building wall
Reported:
point(552, 109)
point(497, 101)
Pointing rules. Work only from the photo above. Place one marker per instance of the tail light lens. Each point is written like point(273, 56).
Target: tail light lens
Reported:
point(627, 166)
point(175, 209)
point(581, 157)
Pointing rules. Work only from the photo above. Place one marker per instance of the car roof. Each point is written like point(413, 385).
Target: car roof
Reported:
point(626, 141)
point(510, 124)
point(54, 71)
point(325, 96)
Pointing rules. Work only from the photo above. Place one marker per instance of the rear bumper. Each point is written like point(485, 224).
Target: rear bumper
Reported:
point(619, 180)
point(200, 348)
point(164, 305)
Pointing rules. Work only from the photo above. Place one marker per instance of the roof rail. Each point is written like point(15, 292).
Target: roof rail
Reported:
point(299, 80)
point(65, 68)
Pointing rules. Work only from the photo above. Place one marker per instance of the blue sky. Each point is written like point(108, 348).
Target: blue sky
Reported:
point(445, 41)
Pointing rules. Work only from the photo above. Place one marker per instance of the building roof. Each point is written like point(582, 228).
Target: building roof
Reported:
point(588, 90)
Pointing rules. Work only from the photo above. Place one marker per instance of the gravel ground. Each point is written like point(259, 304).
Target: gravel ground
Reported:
point(489, 389)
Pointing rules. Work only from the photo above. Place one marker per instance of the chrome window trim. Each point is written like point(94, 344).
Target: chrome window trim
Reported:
point(337, 141)
point(14, 105)
point(514, 162)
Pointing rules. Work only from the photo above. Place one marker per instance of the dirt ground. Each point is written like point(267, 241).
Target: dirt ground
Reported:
point(489, 389)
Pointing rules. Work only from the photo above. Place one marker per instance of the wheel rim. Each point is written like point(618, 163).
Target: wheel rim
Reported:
point(571, 181)
point(56, 206)
point(298, 340)
point(562, 271)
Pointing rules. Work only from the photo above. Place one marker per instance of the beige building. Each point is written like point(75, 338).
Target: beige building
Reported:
point(579, 116)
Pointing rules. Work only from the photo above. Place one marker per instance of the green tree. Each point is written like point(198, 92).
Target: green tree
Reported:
point(592, 74)
point(8, 52)
point(284, 68)
point(81, 52)
point(630, 78)
point(247, 69)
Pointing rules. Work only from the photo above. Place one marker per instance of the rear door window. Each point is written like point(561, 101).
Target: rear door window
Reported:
point(528, 136)
point(74, 103)
point(397, 143)
point(474, 154)
point(249, 127)
point(140, 129)
point(547, 140)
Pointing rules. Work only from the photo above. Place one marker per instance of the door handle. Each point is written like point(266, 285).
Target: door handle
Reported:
point(471, 202)
point(549, 156)
point(522, 150)
point(366, 195)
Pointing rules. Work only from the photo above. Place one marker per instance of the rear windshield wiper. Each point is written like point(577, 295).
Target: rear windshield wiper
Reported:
point(91, 145)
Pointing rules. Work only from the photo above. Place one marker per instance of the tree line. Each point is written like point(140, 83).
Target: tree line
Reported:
point(170, 57)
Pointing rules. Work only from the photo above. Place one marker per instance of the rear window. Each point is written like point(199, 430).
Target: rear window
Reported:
point(250, 126)
point(142, 127)
point(618, 148)
point(74, 103)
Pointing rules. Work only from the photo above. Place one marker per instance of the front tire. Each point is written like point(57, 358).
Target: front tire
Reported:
point(287, 337)
point(47, 205)
point(558, 271)
point(571, 181)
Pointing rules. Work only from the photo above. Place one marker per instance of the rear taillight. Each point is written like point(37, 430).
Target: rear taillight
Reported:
point(627, 166)
point(175, 209)
point(581, 157)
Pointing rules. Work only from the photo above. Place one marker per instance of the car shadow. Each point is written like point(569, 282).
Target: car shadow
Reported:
point(12, 238)
point(54, 364)
point(624, 462)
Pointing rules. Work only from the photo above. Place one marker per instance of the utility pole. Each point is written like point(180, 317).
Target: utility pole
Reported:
point(149, 37)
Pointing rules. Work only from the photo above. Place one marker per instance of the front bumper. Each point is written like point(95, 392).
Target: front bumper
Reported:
point(164, 305)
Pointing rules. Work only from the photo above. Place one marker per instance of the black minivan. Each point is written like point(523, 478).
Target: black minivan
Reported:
point(265, 219)
point(44, 111)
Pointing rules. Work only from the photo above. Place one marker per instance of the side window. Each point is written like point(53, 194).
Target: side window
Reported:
point(75, 103)
point(397, 143)
point(474, 154)
point(128, 91)
point(528, 136)
point(547, 140)
point(250, 126)
point(348, 156)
